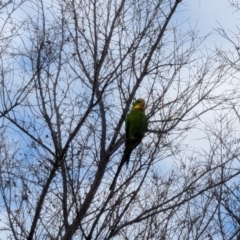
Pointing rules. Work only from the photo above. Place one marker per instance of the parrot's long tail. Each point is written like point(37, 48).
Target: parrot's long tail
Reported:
point(125, 159)
point(126, 156)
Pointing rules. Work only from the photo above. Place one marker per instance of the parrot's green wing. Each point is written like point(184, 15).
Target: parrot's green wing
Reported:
point(127, 126)
point(136, 125)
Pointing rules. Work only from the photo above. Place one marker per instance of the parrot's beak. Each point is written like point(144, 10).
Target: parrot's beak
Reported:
point(140, 105)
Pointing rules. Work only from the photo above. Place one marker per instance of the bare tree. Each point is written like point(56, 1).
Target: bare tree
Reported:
point(223, 137)
point(75, 68)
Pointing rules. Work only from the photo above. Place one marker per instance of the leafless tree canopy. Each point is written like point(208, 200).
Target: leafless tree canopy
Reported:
point(69, 73)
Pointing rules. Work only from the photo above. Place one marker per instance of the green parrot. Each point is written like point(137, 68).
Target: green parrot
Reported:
point(136, 125)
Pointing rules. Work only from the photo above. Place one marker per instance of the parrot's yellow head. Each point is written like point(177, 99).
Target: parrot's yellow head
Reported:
point(139, 104)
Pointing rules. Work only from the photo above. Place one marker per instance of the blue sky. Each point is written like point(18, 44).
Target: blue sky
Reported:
point(209, 14)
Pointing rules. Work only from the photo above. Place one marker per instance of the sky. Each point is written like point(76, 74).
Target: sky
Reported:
point(209, 15)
